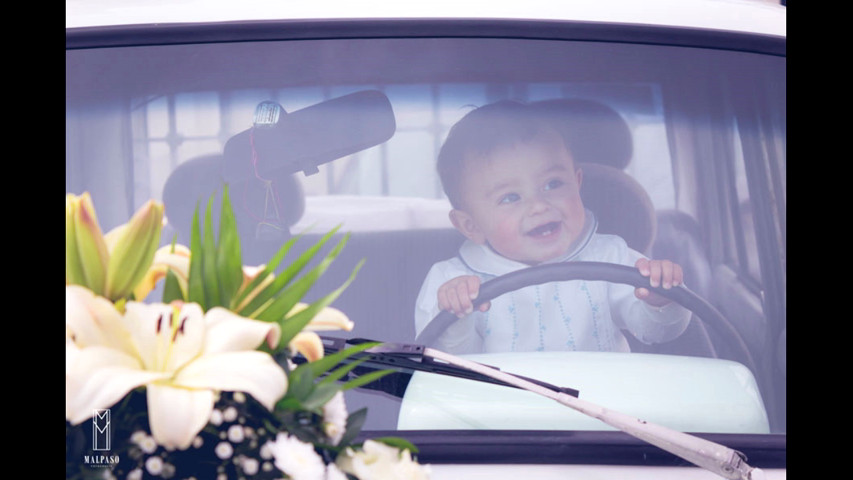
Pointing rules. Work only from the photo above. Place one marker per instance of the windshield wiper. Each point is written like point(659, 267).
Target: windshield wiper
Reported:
point(408, 358)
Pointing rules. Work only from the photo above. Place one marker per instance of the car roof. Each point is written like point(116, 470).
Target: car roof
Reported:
point(763, 17)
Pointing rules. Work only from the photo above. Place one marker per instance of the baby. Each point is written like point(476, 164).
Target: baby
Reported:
point(515, 193)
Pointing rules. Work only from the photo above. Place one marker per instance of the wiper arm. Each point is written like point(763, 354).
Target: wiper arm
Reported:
point(719, 459)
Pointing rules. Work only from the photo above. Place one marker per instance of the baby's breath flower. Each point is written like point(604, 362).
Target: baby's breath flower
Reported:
point(239, 397)
point(198, 442)
point(135, 474)
point(266, 451)
point(137, 436)
point(216, 417)
point(224, 450)
point(230, 414)
point(250, 466)
point(154, 465)
point(235, 434)
point(168, 470)
point(147, 444)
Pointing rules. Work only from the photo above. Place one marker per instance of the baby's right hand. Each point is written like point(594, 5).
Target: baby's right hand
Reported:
point(455, 296)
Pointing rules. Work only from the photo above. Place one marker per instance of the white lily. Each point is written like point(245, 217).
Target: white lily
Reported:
point(378, 461)
point(181, 355)
point(309, 343)
point(166, 258)
point(305, 342)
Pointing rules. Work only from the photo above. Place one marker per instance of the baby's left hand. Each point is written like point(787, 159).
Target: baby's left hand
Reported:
point(661, 273)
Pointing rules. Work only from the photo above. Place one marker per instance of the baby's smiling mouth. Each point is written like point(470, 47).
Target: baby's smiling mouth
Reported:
point(544, 230)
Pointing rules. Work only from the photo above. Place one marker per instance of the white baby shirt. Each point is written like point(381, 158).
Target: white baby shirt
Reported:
point(572, 315)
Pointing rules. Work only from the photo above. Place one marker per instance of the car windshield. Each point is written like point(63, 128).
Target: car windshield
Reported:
point(682, 151)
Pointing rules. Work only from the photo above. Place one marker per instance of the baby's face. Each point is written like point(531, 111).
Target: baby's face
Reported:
point(524, 201)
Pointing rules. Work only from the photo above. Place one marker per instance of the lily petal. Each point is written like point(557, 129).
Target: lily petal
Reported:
point(228, 332)
point(329, 319)
point(167, 336)
point(178, 261)
point(91, 249)
point(132, 249)
point(308, 344)
point(252, 372)
point(98, 377)
point(176, 415)
point(94, 320)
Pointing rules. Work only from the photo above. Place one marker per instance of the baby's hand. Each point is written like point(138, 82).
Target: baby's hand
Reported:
point(455, 296)
point(661, 273)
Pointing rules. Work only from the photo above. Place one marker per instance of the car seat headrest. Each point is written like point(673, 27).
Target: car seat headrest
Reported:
point(264, 209)
point(620, 204)
point(593, 131)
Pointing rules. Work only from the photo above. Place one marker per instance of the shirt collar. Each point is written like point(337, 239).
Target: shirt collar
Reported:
point(483, 260)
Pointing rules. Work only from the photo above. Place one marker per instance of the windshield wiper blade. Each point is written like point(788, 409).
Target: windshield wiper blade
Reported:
point(711, 456)
point(407, 358)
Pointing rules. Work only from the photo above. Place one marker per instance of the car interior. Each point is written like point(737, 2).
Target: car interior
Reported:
point(270, 200)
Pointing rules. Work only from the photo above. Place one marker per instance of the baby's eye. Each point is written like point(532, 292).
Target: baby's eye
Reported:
point(555, 183)
point(509, 198)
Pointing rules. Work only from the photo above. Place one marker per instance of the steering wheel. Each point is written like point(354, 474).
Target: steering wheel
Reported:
point(554, 272)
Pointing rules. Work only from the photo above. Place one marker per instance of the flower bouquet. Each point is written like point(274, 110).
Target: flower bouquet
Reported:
point(205, 384)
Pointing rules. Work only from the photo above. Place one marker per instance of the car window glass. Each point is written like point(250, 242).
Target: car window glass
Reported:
point(135, 116)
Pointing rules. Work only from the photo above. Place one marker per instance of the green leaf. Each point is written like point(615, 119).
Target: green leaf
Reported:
point(355, 421)
point(397, 442)
point(211, 279)
point(341, 372)
point(195, 282)
point(323, 365)
point(282, 281)
point(300, 382)
point(321, 394)
point(290, 326)
point(269, 268)
point(171, 288)
point(229, 266)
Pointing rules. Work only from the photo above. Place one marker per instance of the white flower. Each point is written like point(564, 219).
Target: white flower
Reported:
point(250, 466)
point(216, 417)
point(148, 444)
point(230, 414)
point(335, 418)
point(307, 342)
point(154, 465)
point(224, 450)
point(334, 473)
point(266, 451)
point(181, 355)
point(297, 459)
point(235, 433)
point(378, 461)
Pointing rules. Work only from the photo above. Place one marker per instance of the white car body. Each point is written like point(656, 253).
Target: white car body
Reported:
point(758, 18)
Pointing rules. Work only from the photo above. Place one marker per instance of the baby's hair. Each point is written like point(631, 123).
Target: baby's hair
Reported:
point(480, 132)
